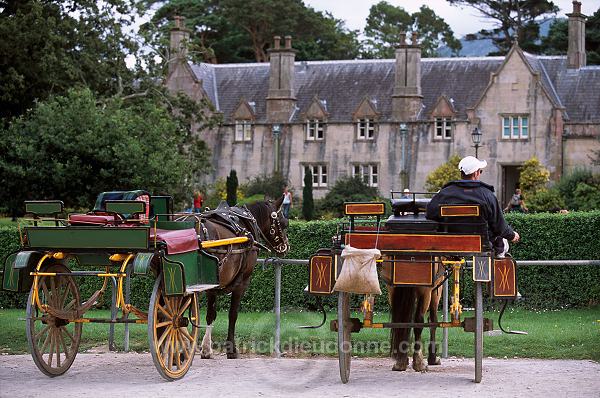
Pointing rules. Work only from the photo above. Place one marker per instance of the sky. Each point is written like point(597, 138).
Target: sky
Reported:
point(462, 21)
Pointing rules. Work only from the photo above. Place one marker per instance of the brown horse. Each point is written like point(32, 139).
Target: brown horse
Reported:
point(403, 301)
point(236, 262)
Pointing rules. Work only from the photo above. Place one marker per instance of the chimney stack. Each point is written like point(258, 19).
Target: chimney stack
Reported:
point(179, 41)
point(576, 57)
point(281, 99)
point(406, 98)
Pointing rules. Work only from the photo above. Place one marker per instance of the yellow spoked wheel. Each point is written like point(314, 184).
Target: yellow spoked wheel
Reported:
point(172, 338)
point(53, 341)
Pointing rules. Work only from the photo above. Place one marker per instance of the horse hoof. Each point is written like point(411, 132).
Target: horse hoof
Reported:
point(434, 361)
point(233, 355)
point(400, 366)
point(204, 356)
point(419, 367)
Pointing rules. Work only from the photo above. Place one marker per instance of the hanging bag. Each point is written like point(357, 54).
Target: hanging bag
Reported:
point(359, 271)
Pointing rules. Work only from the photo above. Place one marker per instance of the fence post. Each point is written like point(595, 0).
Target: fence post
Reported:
point(445, 319)
point(277, 347)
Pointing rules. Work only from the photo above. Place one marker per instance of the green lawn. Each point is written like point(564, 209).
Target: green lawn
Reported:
point(565, 334)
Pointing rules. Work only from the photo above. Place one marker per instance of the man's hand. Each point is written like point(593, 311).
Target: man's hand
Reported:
point(516, 238)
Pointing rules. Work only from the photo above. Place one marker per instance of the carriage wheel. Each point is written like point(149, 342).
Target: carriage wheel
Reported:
point(344, 342)
point(478, 331)
point(53, 342)
point(172, 338)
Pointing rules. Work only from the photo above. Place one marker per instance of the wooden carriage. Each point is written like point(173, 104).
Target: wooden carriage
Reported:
point(412, 246)
point(127, 233)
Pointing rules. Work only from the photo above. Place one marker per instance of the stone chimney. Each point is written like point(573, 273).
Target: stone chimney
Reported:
point(179, 42)
point(406, 98)
point(576, 53)
point(281, 98)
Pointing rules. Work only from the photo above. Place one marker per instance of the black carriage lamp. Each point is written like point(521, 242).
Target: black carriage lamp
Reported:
point(476, 138)
point(276, 129)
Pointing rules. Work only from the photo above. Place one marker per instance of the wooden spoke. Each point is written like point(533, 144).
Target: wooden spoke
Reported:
point(52, 353)
point(171, 344)
point(185, 306)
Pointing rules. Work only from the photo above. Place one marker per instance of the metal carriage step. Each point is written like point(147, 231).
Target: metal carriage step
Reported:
point(200, 288)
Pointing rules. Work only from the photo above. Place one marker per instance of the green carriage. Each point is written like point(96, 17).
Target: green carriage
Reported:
point(127, 233)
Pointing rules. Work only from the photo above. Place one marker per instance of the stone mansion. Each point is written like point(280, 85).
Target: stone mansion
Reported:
point(394, 121)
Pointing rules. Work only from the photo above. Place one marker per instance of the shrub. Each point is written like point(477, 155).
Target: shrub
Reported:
point(308, 205)
point(587, 197)
point(232, 188)
point(568, 184)
point(270, 186)
point(534, 177)
point(545, 200)
point(347, 189)
point(443, 174)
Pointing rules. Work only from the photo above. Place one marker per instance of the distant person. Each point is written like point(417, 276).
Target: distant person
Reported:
point(287, 202)
point(516, 203)
point(469, 190)
point(198, 202)
point(405, 194)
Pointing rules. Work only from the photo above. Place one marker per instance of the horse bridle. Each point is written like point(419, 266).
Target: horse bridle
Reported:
point(276, 234)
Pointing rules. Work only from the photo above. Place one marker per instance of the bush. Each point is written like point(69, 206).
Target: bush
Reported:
point(348, 189)
point(308, 205)
point(232, 188)
point(533, 178)
point(443, 175)
point(545, 200)
point(568, 184)
point(270, 186)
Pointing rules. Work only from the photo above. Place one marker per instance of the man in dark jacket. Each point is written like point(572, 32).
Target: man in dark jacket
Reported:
point(469, 190)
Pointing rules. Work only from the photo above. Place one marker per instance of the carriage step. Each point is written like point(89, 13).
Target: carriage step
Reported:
point(469, 324)
point(355, 325)
point(199, 288)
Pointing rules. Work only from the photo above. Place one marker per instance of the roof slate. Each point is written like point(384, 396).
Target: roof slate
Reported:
point(344, 84)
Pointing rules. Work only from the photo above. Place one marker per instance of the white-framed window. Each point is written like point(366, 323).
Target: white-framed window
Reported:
point(515, 127)
point(315, 130)
point(365, 129)
point(243, 130)
point(443, 128)
point(319, 174)
point(369, 172)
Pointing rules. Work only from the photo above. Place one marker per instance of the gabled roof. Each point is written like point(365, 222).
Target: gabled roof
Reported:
point(344, 85)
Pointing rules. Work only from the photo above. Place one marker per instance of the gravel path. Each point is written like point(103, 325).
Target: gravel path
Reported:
point(132, 374)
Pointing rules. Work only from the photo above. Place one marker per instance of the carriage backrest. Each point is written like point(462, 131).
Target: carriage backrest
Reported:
point(121, 196)
point(463, 218)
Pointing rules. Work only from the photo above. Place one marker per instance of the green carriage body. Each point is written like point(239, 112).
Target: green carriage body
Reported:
point(92, 245)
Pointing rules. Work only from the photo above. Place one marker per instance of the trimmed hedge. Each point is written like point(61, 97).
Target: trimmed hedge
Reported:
point(573, 236)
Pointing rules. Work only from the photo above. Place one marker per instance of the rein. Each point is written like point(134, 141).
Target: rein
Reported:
point(276, 233)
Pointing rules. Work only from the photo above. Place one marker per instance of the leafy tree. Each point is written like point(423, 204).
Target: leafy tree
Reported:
point(270, 186)
point(308, 204)
point(242, 30)
point(386, 22)
point(557, 41)
point(349, 189)
point(232, 187)
point(534, 177)
point(72, 147)
point(50, 46)
point(515, 19)
point(443, 174)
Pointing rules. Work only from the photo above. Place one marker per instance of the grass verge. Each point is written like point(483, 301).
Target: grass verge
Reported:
point(564, 334)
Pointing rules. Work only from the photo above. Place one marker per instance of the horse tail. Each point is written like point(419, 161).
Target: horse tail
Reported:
point(402, 302)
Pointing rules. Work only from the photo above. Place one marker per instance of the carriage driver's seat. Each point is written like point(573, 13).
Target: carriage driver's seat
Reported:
point(464, 219)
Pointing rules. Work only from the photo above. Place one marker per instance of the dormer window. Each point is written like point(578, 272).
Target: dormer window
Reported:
point(443, 128)
point(365, 129)
point(243, 130)
point(315, 130)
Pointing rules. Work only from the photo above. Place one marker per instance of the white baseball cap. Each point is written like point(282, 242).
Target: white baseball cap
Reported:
point(406, 190)
point(471, 164)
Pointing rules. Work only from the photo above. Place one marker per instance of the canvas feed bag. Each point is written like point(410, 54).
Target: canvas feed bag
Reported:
point(359, 271)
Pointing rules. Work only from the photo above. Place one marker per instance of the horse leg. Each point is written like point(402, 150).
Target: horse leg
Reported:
point(422, 306)
point(432, 358)
point(402, 302)
point(236, 298)
point(211, 315)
